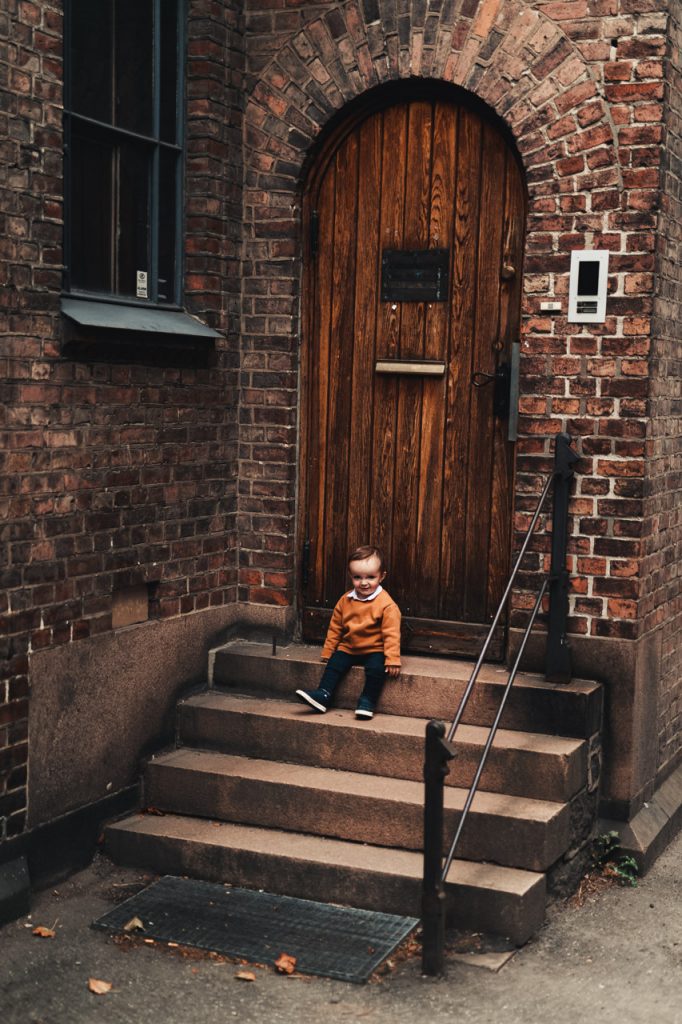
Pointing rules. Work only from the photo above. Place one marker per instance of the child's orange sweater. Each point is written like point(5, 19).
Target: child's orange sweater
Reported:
point(362, 627)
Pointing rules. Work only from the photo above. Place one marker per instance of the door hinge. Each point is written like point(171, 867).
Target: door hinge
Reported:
point(314, 233)
point(305, 564)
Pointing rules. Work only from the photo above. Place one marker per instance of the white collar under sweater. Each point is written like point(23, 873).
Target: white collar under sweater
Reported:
point(370, 597)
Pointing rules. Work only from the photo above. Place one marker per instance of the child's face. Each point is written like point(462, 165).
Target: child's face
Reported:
point(366, 575)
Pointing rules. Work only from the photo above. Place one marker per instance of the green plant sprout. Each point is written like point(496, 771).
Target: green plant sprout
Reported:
point(609, 859)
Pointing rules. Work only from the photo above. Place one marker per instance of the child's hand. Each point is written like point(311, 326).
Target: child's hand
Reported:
point(393, 671)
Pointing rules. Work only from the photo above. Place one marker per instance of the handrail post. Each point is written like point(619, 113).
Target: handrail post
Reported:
point(558, 664)
point(438, 753)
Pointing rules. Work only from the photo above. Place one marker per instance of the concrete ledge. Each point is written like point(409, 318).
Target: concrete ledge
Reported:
point(660, 819)
point(101, 705)
point(55, 850)
point(15, 890)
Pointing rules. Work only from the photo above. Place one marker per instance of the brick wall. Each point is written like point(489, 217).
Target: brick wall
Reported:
point(580, 85)
point(596, 379)
point(119, 464)
point(128, 467)
point(662, 565)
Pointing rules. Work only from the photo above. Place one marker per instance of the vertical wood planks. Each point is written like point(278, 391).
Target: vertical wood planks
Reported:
point(457, 471)
point(436, 346)
point(394, 142)
point(418, 465)
point(361, 436)
point(510, 309)
point(318, 361)
point(412, 330)
point(481, 419)
point(341, 365)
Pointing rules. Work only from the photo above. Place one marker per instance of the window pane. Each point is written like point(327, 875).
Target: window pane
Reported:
point(134, 65)
point(91, 58)
point(91, 214)
point(133, 217)
point(168, 217)
point(169, 69)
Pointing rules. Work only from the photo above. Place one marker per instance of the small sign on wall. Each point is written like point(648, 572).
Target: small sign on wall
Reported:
point(142, 285)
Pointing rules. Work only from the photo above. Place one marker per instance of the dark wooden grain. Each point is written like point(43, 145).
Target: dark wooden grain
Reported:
point(457, 472)
point(420, 466)
point(341, 365)
point(479, 511)
point(404, 580)
point(361, 435)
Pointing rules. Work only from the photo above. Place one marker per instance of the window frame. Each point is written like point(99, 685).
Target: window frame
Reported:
point(154, 142)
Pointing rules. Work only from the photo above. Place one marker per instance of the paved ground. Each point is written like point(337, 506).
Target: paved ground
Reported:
point(618, 958)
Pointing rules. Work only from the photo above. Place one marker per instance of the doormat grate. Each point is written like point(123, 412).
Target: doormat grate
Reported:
point(332, 941)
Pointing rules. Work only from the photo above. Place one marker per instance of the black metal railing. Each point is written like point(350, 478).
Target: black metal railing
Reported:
point(439, 746)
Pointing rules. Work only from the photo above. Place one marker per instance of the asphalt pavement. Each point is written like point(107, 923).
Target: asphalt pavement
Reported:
point(616, 957)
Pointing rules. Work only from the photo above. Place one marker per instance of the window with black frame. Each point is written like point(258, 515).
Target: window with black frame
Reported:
point(124, 137)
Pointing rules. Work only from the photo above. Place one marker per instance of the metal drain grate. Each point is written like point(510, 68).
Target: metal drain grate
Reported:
point(332, 941)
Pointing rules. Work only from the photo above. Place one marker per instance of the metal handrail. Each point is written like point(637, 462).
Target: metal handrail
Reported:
point(493, 730)
point(439, 748)
point(493, 626)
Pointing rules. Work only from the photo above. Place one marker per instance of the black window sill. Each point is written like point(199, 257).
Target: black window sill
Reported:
point(114, 316)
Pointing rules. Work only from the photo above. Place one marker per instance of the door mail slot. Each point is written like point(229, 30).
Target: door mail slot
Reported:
point(418, 367)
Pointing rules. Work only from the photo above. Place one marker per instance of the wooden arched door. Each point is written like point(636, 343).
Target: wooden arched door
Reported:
point(414, 216)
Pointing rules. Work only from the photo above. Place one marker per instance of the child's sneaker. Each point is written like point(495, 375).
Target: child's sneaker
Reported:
point(318, 699)
point(365, 708)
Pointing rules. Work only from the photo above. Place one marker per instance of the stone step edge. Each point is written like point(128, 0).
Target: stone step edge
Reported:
point(362, 856)
point(503, 901)
point(414, 666)
point(235, 701)
point(319, 779)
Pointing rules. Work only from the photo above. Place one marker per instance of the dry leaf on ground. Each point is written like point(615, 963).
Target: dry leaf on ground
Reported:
point(43, 932)
point(285, 964)
point(245, 976)
point(134, 924)
point(98, 986)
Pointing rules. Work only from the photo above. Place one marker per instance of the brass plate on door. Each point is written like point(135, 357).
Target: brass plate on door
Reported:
point(416, 367)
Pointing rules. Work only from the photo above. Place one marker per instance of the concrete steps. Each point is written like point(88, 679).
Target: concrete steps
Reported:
point(265, 793)
point(426, 688)
point(348, 805)
point(503, 901)
point(521, 764)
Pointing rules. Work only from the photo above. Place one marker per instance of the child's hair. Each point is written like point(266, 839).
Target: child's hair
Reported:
point(367, 551)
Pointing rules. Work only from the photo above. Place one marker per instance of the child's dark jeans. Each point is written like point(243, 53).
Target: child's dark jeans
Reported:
point(340, 662)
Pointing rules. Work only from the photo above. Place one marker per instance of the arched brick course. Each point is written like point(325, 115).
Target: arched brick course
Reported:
point(510, 55)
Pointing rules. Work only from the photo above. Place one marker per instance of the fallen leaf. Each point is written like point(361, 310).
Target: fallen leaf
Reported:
point(285, 964)
point(134, 924)
point(99, 987)
point(245, 976)
point(172, 945)
point(153, 810)
point(150, 942)
point(43, 932)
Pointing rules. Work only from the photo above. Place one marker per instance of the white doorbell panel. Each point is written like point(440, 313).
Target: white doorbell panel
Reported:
point(588, 285)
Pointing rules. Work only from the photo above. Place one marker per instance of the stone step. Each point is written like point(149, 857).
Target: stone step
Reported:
point(427, 688)
point(499, 900)
point(522, 833)
point(529, 765)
